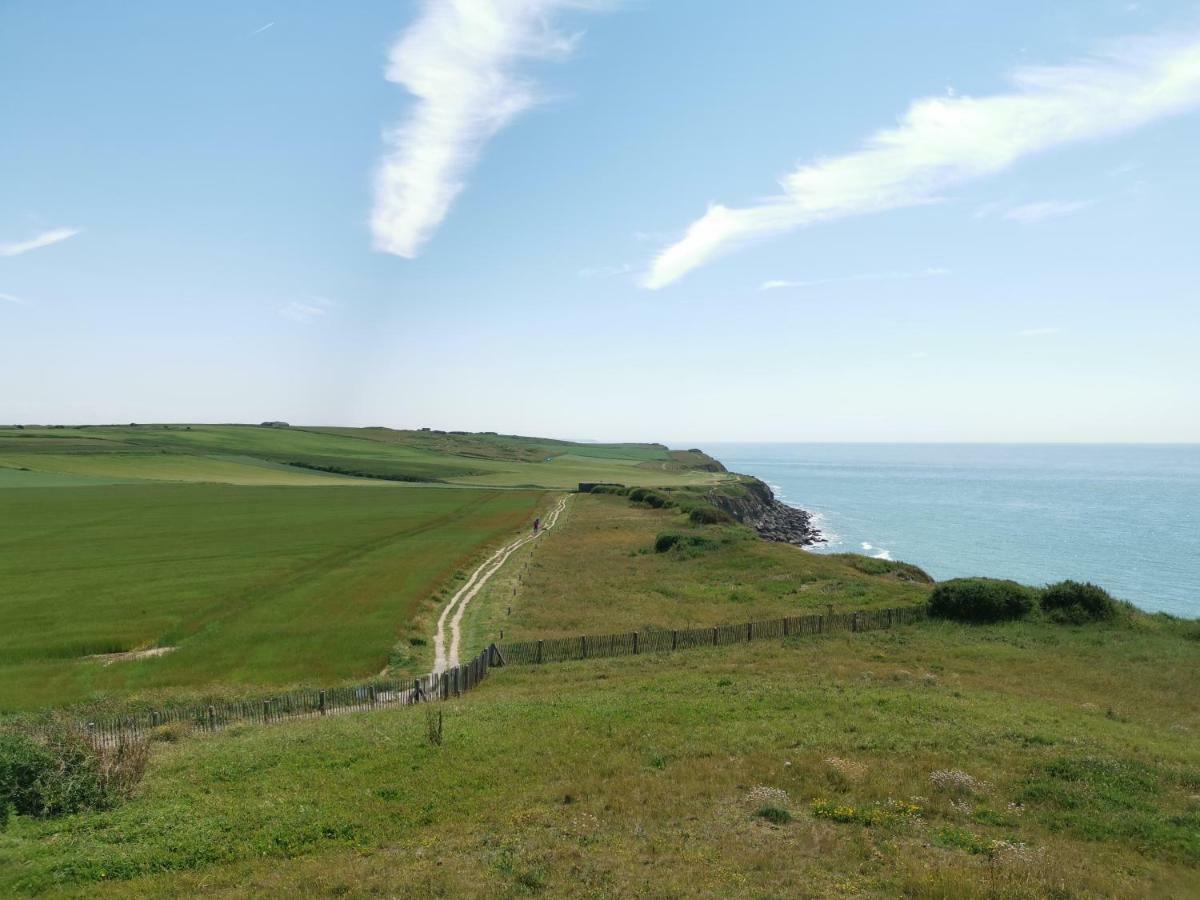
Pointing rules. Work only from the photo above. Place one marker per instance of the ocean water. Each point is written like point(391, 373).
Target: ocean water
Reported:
point(1123, 516)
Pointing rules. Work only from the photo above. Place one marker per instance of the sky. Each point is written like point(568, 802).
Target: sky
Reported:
point(606, 219)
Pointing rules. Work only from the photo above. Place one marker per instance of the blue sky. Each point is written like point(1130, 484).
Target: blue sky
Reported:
point(640, 220)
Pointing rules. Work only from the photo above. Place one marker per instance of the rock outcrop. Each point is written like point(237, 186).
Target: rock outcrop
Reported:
point(771, 518)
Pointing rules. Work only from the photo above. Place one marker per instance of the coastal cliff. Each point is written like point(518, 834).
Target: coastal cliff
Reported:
point(754, 504)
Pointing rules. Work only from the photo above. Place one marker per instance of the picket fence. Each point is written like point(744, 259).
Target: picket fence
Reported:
point(306, 703)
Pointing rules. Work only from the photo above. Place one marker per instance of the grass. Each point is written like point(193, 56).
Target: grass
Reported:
point(241, 454)
point(647, 776)
point(254, 585)
point(598, 573)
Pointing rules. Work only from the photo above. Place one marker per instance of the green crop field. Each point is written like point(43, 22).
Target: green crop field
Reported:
point(246, 454)
point(265, 556)
point(262, 585)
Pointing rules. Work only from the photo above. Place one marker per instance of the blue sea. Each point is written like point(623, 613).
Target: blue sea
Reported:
point(1123, 516)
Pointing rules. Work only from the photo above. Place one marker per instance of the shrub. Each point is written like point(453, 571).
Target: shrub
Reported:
point(1073, 601)
point(707, 515)
point(980, 600)
point(665, 542)
point(688, 544)
point(61, 771)
point(775, 815)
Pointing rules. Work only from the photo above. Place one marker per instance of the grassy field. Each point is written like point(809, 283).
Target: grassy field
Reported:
point(267, 585)
point(598, 573)
point(646, 777)
point(246, 454)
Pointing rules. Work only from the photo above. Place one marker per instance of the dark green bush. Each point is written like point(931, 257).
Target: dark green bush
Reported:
point(665, 542)
point(707, 515)
point(690, 544)
point(1078, 602)
point(637, 494)
point(980, 600)
point(60, 771)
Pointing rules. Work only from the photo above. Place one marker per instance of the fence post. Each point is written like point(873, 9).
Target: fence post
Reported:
point(539, 655)
point(854, 621)
point(321, 702)
point(583, 647)
point(785, 626)
point(635, 643)
point(674, 639)
point(266, 711)
point(820, 624)
point(212, 719)
point(749, 630)
point(714, 635)
point(153, 718)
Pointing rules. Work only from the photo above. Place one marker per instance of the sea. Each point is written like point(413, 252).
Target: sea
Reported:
point(1126, 517)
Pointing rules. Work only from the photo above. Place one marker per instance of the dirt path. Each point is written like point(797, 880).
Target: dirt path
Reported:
point(446, 652)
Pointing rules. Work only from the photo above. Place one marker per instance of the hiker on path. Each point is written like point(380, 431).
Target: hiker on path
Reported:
point(537, 523)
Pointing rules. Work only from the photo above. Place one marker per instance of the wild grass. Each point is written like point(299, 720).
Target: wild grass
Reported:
point(652, 775)
point(598, 572)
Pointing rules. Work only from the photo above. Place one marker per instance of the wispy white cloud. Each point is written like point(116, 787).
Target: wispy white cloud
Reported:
point(1039, 332)
point(10, 298)
point(459, 60)
point(304, 311)
point(944, 141)
point(605, 271)
point(1125, 169)
point(45, 239)
point(931, 272)
point(1032, 213)
point(262, 29)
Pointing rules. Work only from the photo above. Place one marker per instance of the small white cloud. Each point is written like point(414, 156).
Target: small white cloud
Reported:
point(1038, 332)
point(45, 239)
point(305, 311)
point(942, 142)
point(930, 272)
point(10, 298)
point(262, 29)
point(605, 271)
point(1032, 213)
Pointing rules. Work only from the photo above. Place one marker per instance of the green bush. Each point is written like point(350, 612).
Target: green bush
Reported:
point(60, 771)
point(1078, 602)
point(707, 515)
point(650, 497)
point(665, 542)
point(980, 600)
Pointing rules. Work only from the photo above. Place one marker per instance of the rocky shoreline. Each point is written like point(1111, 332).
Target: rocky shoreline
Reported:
point(770, 517)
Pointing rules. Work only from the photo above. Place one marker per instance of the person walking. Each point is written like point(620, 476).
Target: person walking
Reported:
point(537, 524)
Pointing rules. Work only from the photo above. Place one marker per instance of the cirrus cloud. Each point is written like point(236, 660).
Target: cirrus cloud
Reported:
point(45, 239)
point(459, 60)
point(944, 141)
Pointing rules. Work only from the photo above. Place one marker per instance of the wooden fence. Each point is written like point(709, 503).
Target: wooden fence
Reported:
point(305, 704)
point(298, 704)
point(658, 640)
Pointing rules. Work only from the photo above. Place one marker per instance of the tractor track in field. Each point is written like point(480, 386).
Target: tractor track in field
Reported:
point(446, 652)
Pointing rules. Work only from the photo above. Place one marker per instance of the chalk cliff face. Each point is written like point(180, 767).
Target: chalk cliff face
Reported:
point(773, 520)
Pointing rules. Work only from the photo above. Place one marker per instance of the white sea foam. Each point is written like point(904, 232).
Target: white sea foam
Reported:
point(882, 554)
point(867, 547)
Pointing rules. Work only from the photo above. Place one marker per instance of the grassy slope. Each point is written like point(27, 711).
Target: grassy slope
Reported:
point(252, 454)
point(597, 573)
point(627, 777)
point(256, 585)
